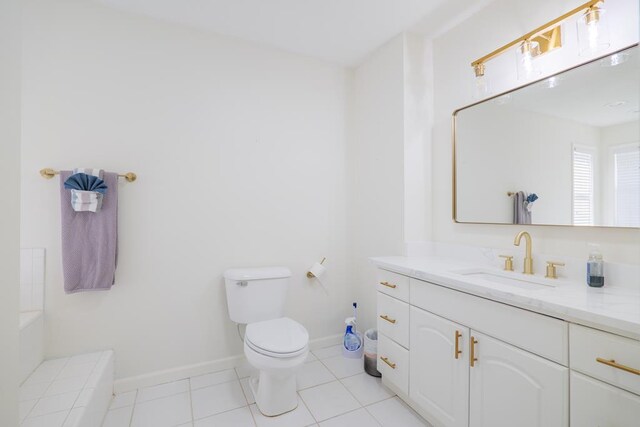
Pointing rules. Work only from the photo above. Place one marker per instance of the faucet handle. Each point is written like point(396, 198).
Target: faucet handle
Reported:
point(508, 262)
point(551, 269)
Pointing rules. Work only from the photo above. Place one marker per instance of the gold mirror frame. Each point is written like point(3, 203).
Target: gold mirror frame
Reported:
point(453, 161)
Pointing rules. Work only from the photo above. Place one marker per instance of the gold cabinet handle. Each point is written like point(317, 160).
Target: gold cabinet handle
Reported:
point(385, 360)
point(457, 352)
point(613, 364)
point(472, 351)
point(387, 318)
point(388, 285)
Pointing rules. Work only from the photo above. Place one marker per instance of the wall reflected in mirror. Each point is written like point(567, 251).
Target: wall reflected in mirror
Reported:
point(561, 151)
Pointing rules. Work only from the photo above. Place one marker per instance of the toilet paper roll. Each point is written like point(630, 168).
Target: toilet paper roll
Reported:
point(326, 291)
point(316, 270)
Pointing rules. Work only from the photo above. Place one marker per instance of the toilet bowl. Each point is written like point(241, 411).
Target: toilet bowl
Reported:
point(276, 348)
point(273, 344)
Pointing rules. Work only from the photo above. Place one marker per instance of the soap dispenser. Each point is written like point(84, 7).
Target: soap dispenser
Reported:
point(595, 267)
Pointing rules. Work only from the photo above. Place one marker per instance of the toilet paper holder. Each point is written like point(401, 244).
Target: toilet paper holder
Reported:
point(316, 269)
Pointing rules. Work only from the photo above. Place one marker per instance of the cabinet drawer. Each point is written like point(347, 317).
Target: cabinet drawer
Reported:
point(539, 334)
point(594, 403)
point(393, 284)
point(395, 370)
point(587, 345)
point(393, 319)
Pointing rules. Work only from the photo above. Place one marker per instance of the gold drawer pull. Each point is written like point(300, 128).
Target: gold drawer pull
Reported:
point(388, 285)
point(472, 351)
point(458, 352)
point(385, 360)
point(387, 318)
point(613, 364)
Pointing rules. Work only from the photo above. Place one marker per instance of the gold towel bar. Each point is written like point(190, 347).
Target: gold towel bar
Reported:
point(49, 173)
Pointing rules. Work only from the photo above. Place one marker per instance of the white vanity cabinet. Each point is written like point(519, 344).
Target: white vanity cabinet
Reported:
point(505, 385)
point(509, 386)
point(439, 381)
point(462, 360)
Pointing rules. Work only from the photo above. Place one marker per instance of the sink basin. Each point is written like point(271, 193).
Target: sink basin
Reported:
point(506, 279)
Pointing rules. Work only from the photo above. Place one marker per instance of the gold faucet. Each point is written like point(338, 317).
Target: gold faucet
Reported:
point(528, 260)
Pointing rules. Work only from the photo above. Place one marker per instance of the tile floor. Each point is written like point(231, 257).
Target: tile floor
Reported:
point(332, 392)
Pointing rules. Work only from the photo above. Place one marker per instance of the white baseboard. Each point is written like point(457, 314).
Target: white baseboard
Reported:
point(181, 372)
point(325, 342)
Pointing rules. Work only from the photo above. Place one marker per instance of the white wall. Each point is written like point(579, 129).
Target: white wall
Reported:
point(418, 119)
point(389, 155)
point(493, 26)
point(10, 208)
point(515, 150)
point(376, 163)
point(241, 153)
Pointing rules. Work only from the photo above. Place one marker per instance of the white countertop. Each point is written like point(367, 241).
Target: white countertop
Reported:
point(612, 309)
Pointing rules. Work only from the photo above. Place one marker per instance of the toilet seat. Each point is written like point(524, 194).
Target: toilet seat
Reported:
point(278, 338)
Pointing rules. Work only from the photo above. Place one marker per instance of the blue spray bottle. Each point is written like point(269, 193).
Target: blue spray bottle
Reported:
point(352, 341)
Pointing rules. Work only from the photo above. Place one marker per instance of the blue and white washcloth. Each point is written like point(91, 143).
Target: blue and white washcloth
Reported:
point(529, 201)
point(87, 189)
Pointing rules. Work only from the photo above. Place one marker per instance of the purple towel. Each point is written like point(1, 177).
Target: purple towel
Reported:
point(89, 240)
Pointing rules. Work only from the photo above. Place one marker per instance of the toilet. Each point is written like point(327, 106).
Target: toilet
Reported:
point(273, 344)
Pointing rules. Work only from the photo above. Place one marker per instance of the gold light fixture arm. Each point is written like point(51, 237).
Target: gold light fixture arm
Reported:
point(537, 34)
point(49, 173)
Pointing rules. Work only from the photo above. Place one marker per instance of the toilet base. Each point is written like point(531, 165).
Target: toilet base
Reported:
point(275, 387)
point(272, 403)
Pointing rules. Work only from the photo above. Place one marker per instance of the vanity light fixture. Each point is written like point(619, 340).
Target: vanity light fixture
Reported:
point(615, 59)
point(548, 37)
point(552, 82)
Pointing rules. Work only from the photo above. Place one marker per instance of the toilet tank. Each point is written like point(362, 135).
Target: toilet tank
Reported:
point(256, 294)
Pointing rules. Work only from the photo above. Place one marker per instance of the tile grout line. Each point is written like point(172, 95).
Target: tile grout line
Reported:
point(133, 408)
point(223, 412)
point(307, 407)
point(383, 400)
point(253, 418)
point(190, 401)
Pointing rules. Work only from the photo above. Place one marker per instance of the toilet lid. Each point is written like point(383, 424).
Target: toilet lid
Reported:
point(279, 336)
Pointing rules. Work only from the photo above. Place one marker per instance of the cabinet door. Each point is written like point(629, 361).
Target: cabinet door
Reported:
point(439, 380)
point(511, 387)
point(596, 404)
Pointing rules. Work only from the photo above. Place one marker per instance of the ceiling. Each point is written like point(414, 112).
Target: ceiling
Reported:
point(595, 94)
point(341, 31)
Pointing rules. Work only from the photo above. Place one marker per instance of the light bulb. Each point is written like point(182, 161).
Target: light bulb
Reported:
point(481, 83)
point(526, 53)
point(481, 87)
point(592, 31)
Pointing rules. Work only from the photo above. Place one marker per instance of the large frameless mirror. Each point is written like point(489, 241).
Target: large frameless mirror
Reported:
point(561, 151)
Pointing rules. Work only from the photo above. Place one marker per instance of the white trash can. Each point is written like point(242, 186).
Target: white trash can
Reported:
point(371, 352)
